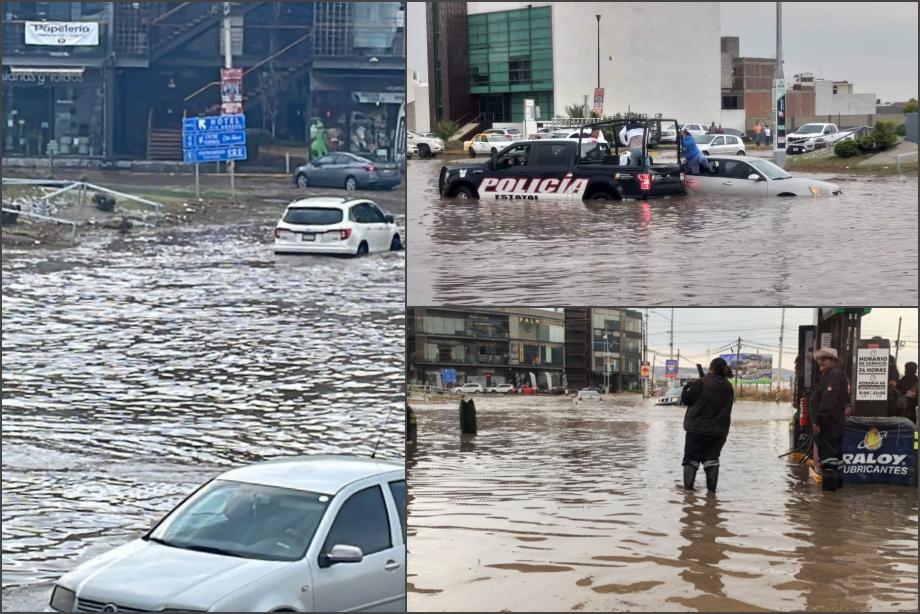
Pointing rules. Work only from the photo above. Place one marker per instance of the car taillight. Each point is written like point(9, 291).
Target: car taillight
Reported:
point(370, 168)
point(645, 181)
point(346, 233)
point(277, 233)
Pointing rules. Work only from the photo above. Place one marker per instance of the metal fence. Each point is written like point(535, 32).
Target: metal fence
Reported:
point(911, 121)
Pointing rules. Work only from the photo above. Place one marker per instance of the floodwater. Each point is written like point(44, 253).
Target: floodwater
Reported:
point(858, 248)
point(553, 508)
point(137, 367)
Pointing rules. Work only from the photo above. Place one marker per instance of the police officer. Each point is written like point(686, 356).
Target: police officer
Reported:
point(828, 416)
point(709, 403)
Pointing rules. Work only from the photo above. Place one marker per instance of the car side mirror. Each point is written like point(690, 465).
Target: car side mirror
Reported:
point(314, 163)
point(754, 177)
point(342, 553)
point(389, 219)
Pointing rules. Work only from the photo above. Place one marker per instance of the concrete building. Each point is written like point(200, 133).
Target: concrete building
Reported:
point(548, 51)
point(838, 98)
point(418, 110)
point(448, 62)
point(448, 346)
point(120, 92)
point(603, 347)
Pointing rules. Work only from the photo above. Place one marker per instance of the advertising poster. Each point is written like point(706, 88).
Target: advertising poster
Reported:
point(751, 368)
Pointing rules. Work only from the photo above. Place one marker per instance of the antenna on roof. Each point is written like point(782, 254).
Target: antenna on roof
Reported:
point(380, 436)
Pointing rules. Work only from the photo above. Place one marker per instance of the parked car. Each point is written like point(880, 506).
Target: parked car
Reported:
point(743, 176)
point(671, 396)
point(738, 133)
point(297, 534)
point(335, 225)
point(668, 134)
point(816, 136)
point(720, 144)
point(422, 145)
point(501, 131)
point(469, 388)
point(573, 135)
point(349, 171)
point(695, 129)
point(526, 389)
point(487, 144)
point(501, 388)
point(587, 396)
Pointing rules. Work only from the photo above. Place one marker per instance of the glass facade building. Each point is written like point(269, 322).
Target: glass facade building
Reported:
point(510, 59)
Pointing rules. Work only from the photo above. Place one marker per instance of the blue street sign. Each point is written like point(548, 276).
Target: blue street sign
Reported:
point(215, 154)
point(213, 139)
point(216, 138)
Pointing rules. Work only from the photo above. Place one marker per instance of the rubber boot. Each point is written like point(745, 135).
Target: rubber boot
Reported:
point(689, 476)
point(712, 478)
point(828, 479)
point(838, 477)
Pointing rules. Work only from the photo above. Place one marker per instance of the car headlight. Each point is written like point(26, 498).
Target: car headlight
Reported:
point(816, 190)
point(62, 599)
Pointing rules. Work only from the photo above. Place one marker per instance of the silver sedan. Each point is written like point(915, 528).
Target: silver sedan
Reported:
point(746, 176)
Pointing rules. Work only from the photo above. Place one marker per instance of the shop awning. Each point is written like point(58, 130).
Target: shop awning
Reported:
point(47, 70)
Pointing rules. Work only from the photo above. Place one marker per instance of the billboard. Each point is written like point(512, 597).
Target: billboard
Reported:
point(751, 368)
point(670, 368)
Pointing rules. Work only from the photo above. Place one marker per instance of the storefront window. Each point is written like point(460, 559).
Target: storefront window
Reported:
point(58, 114)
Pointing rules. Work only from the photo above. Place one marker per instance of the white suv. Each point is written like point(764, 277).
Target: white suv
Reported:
point(501, 388)
point(424, 146)
point(335, 225)
point(298, 534)
point(468, 388)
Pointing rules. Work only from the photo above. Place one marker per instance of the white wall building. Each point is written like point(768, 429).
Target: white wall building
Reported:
point(418, 113)
point(837, 97)
point(654, 57)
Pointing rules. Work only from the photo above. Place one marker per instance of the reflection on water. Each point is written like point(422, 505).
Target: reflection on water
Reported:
point(555, 508)
point(679, 251)
point(135, 368)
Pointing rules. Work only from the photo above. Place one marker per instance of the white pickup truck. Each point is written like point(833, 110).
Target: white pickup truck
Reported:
point(815, 136)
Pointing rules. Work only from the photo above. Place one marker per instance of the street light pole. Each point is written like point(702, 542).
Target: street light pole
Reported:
point(779, 95)
point(598, 51)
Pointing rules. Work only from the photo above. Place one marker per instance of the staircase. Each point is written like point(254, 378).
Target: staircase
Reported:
point(164, 144)
point(470, 128)
point(182, 23)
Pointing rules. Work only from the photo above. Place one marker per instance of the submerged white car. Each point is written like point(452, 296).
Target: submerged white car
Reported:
point(298, 534)
point(587, 396)
point(422, 145)
point(335, 225)
point(743, 176)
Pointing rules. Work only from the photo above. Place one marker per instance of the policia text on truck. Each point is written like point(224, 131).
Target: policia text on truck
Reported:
point(582, 168)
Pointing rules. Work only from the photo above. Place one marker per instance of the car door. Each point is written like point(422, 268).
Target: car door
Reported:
point(363, 519)
point(734, 176)
point(342, 166)
point(505, 171)
point(398, 513)
point(318, 174)
point(718, 145)
point(380, 228)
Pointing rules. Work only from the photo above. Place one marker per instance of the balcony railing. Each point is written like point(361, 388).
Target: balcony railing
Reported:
point(14, 44)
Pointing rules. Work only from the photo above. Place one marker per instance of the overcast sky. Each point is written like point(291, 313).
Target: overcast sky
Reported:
point(697, 331)
point(870, 44)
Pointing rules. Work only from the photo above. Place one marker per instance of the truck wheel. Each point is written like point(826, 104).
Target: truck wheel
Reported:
point(424, 151)
point(600, 195)
point(472, 152)
point(464, 192)
point(494, 151)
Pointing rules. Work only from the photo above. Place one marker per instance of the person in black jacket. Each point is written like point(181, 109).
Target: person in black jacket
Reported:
point(709, 410)
point(828, 405)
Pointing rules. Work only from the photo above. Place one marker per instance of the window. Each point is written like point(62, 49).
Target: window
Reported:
point(313, 216)
point(552, 154)
point(362, 521)
point(365, 213)
point(376, 214)
point(514, 156)
point(398, 490)
point(719, 140)
point(325, 160)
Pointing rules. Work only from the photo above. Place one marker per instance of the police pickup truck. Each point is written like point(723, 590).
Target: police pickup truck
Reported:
point(573, 168)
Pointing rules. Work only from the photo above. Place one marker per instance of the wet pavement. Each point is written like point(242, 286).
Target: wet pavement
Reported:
point(137, 366)
point(858, 248)
point(553, 508)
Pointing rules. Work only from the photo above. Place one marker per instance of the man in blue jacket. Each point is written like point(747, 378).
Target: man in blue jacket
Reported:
point(709, 412)
point(693, 155)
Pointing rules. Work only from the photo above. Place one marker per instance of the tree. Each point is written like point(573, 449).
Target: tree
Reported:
point(270, 96)
point(446, 129)
point(577, 110)
point(911, 106)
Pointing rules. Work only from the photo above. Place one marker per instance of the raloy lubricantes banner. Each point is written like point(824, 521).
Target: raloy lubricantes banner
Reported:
point(879, 451)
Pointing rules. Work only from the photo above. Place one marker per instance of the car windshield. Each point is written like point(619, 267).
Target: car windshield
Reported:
point(589, 394)
point(705, 139)
point(769, 169)
point(811, 129)
point(313, 216)
point(244, 520)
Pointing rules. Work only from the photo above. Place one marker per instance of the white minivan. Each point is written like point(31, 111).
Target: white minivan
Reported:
point(297, 534)
point(335, 225)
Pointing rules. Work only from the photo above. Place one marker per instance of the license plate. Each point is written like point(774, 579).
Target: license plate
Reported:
point(307, 236)
point(386, 172)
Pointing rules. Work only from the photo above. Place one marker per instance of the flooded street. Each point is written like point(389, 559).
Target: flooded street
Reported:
point(553, 508)
point(679, 251)
point(136, 367)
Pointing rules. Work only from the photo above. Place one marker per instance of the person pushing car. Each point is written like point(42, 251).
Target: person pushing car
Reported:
point(709, 403)
point(695, 158)
point(827, 406)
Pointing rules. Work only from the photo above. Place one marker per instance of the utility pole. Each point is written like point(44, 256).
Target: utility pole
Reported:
point(779, 95)
point(228, 63)
point(678, 364)
point(779, 369)
point(598, 50)
point(737, 361)
point(671, 355)
point(897, 344)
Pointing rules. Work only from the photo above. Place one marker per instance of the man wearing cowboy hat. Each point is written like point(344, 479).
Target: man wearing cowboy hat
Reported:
point(828, 410)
